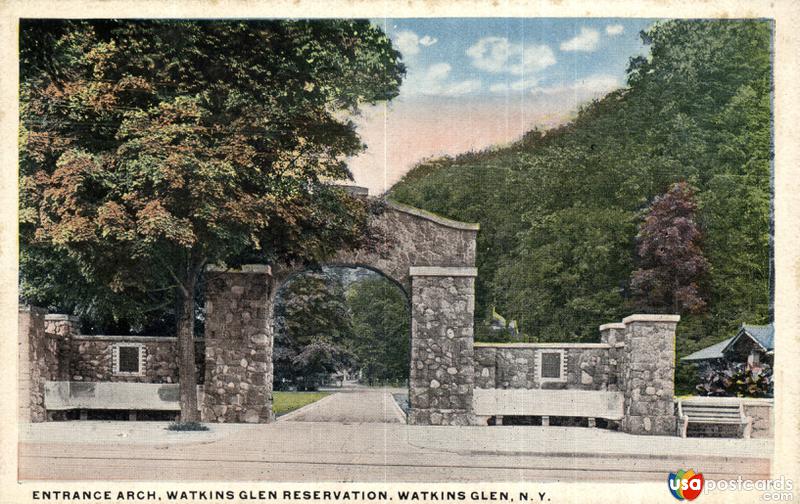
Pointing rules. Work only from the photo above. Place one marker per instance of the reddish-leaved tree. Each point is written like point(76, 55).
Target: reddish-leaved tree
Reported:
point(671, 261)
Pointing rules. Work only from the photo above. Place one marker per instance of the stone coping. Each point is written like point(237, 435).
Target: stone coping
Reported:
point(542, 345)
point(438, 219)
point(443, 271)
point(612, 325)
point(245, 268)
point(61, 316)
point(126, 338)
point(646, 317)
point(31, 309)
point(747, 401)
point(538, 402)
point(67, 395)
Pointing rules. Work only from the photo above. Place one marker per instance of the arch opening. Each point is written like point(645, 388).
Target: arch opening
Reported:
point(340, 326)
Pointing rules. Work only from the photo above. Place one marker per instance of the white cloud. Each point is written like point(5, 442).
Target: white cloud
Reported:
point(408, 42)
point(614, 30)
point(438, 71)
point(497, 54)
point(428, 41)
point(519, 85)
point(435, 80)
point(593, 85)
point(585, 41)
point(461, 88)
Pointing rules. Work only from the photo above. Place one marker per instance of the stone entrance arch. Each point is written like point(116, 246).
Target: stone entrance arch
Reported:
point(431, 257)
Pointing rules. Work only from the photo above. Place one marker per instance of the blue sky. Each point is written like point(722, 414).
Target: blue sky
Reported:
point(485, 56)
point(474, 83)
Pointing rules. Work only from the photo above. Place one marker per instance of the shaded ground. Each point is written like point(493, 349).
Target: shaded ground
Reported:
point(402, 401)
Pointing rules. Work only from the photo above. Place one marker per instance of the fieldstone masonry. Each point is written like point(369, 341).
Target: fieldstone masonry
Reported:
point(442, 355)
point(238, 381)
point(411, 238)
point(64, 328)
point(92, 359)
point(589, 366)
point(433, 259)
point(648, 374)
point(34, 366)
point(240, 324)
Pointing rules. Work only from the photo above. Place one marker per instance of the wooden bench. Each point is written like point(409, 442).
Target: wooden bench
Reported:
point(589, 404)
point(713, 412)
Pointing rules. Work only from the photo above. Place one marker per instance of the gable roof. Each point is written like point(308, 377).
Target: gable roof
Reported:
point(763, 335)
point(711, 352)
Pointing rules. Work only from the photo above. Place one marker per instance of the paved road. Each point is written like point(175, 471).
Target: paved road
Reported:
point(321, 451)
point(363, 406)
point(372, 446)
point(297, 451)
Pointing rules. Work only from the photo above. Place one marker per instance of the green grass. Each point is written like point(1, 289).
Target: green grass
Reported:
point(284, 402)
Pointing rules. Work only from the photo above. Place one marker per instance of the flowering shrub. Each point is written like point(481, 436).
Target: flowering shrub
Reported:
point(734, 379)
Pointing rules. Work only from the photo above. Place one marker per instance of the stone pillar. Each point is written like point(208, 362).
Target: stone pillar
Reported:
point(63, 327)
point(442, 353)
point(614, 335)
point(32, 364)
point(648, 374)
point(238, 345)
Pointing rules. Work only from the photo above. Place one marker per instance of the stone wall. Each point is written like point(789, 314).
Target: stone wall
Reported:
point(513, 366)
point(442, 357)
point(413, 237)
point(92, 359)
point(238, 375)
point(38, 362)
point(63, 328)
point(762, 412)
point(635, 357)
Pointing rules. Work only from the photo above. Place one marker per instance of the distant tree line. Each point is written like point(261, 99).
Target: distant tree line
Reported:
point(324, 328)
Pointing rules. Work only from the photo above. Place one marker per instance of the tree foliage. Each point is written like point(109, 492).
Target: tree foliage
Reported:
point(381, 329)
point(325, 325)
point(152, 148)
point(671, 261)
point(313, 330)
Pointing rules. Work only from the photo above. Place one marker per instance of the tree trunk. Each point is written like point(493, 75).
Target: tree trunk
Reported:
point(187, 375)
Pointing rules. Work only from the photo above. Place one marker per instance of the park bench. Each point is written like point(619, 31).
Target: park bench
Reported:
point(718, 412)
point(591, 404)
point(85, 396)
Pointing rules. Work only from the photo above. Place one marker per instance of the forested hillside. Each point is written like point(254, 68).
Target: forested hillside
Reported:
point(559, 209)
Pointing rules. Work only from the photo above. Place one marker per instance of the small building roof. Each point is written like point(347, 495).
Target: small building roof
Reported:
point(708, 353)
point(763, 335)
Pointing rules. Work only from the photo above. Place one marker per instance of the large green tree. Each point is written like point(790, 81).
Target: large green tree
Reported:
point(381, 329)
point(150, 149)
point(313, 329)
